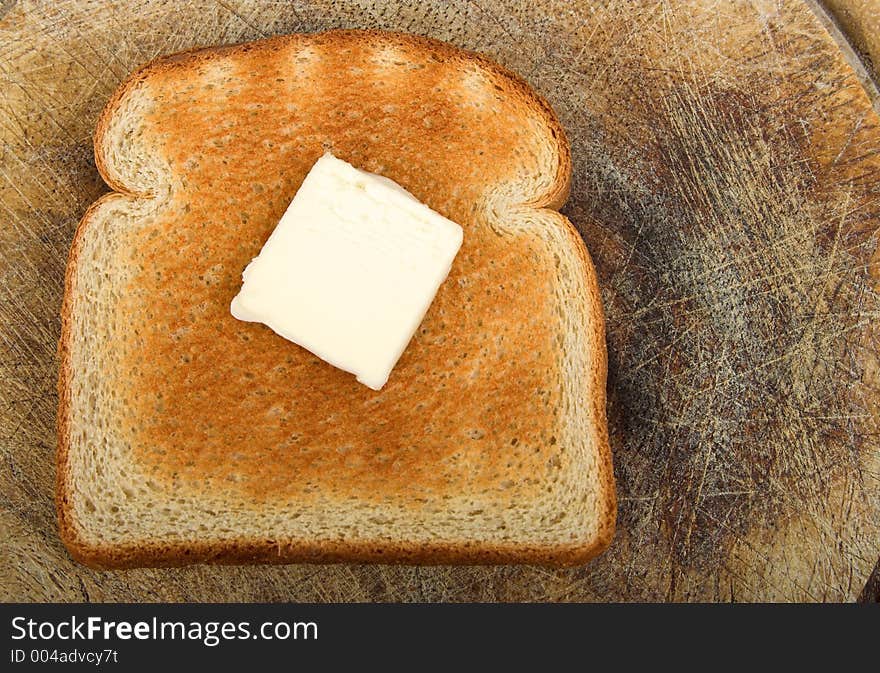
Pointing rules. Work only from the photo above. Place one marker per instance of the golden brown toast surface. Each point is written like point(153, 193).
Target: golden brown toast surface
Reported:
point(237, 404)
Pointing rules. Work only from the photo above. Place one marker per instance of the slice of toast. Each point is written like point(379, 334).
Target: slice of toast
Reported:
point(188, 436)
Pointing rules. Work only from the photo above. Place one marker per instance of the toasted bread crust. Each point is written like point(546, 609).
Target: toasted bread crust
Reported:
point(268, 551)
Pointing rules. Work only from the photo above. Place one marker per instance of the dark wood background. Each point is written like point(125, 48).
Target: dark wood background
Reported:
point(726, 163)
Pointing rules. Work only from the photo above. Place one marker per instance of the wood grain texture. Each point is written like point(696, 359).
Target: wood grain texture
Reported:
point(851, 24)
point(860, 20)
point(726, 182)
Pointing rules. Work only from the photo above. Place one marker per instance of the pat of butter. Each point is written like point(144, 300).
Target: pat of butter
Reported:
point(350, 270)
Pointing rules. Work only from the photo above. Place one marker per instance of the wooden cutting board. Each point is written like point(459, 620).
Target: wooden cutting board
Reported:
point(726, 182)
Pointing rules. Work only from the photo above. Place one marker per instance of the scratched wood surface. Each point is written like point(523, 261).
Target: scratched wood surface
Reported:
point(855, 25)
point(726, 182)
point(860, 21)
